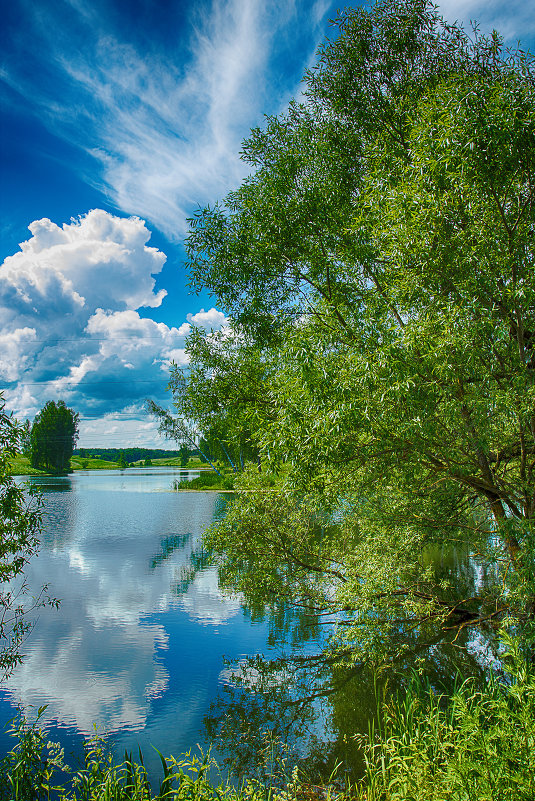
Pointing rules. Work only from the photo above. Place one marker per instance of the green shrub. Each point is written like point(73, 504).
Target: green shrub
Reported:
point(31, 770)
point(206, 480)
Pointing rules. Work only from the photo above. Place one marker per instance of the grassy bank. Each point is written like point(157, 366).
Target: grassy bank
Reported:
point(20, 465)
point(89, 463)
point(192, 464)
point(475, 746)
point(207, 480)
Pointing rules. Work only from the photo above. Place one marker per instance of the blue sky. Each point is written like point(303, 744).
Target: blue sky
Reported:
point(118, 120)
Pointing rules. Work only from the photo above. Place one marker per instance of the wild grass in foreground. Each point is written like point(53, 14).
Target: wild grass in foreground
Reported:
point(476, 746)
point(35, 770)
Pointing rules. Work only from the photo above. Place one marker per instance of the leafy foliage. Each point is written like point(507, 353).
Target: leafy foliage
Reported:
point(53, 437)
point(20, 520)
point(219, 398)
point(378, 264)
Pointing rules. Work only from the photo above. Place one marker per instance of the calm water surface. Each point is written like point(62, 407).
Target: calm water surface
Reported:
point(138, 642)
point(137, 646)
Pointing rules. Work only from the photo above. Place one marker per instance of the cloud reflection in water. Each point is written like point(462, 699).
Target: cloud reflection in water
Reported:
point(101, 657)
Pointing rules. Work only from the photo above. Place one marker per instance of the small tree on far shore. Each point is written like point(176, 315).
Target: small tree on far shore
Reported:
point(121, 461)
point(184, 453)
point(53, 437)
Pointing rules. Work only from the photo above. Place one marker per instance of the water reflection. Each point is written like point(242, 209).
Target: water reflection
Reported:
point(315, 708)
point(137, 644)
point(116, 563)
point(313, 711)
point(51, 484)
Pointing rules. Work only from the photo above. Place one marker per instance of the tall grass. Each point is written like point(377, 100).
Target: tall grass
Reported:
point(477, 746)
point(36, 770)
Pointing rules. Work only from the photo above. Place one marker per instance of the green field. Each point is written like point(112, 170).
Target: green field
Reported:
point(88, 463)
point(20, 465)
point(173, 461)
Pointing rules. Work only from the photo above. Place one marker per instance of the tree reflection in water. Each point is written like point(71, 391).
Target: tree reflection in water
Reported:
point(312, 706)
point(313, 710)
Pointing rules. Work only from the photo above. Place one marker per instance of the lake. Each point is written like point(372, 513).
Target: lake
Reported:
point(145, 645)
point(137, 645)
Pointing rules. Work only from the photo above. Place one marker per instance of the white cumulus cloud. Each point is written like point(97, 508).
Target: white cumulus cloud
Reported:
point(71, 327)
point(97, 260)
point(13, 357)
point(211, 319)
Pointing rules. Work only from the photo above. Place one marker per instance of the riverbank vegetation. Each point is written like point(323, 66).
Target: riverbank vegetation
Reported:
point(20, 521)
point(207, 481)
point(476, 745)
point(136, 455)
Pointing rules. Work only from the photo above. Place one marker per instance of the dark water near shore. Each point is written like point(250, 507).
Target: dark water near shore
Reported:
point(139, 644)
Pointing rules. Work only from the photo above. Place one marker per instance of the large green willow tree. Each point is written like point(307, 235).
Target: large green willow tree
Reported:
point(379, 264)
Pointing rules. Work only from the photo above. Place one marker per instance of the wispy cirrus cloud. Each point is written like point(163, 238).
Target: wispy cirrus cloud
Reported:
point(514, 20)
point(161, 122)
point(165, 125)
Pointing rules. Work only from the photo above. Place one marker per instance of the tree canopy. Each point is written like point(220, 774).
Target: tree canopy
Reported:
point(53, 437)
point(378, 263)
point(219, 399)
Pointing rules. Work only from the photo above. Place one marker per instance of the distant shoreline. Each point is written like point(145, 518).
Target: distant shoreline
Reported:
point(20, 466)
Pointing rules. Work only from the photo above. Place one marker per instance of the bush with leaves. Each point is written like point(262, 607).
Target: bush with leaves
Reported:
point(20, 521)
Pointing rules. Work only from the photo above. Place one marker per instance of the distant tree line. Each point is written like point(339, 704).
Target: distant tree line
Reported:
point(130, 454)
